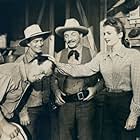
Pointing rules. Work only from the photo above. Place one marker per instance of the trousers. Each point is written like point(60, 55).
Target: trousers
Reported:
point(76, 121)
point(116, 111)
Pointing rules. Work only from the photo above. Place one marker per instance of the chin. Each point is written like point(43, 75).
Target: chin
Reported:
point(109, 45)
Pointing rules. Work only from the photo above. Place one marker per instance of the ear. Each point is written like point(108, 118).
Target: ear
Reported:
point(120, 34)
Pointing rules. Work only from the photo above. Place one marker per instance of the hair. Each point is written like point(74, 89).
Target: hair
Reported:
point(118, 25)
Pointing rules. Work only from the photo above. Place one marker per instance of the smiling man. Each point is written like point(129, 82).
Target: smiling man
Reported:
point(75, 95)
point(35, 109)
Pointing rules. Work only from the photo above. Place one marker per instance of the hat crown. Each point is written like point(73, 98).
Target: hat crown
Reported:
point(71, 23)
point(32, 30)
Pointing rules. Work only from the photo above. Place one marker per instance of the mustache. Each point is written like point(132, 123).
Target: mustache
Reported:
point(71, 41)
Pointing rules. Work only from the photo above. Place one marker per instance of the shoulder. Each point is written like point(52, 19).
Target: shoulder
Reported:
point(58, 55)
point(9, 70)
point(132, 52)
point(20, 58)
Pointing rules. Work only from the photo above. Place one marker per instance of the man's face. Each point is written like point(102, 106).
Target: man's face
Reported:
point(36, 72)
point(36, 44)
point(72, 38)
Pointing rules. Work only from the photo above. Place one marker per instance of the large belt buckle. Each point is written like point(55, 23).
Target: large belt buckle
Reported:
point(80, 96)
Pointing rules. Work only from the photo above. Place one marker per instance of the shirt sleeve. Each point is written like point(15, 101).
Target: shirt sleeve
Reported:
point(54, 84)
point(135, 78)
point(5, 86)
point(82, 70)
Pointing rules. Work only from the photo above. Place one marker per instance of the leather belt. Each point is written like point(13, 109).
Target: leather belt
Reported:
point(76, 97)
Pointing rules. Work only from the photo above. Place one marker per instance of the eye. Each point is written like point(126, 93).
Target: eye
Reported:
point(65, 36)
point(74, 34)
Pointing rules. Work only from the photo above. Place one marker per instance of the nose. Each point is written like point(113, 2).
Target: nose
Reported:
point(40, 43)
point(106, 37)
point(69, 38)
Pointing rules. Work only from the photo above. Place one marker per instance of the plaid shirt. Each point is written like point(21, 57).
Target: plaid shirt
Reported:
point(121, 71)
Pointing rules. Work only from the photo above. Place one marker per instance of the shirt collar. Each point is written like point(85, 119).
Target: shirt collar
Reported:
point(120, 52)
point(29, 56)
point(78, 49)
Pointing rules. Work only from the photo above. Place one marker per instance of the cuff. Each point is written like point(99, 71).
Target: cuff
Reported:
point(135, 109)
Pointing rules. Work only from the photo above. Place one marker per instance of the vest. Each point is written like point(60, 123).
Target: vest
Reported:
point(70, 85)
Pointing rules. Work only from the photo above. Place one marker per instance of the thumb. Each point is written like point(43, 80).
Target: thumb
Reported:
point(87, 98)
point(63, 93)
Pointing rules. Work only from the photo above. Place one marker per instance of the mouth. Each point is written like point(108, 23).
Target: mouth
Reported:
point(71, 43)
point(107, 41)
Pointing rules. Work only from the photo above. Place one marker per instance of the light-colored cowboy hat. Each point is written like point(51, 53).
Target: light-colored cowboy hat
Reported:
point(33, 31)
point(71, 24)
point(21, 135)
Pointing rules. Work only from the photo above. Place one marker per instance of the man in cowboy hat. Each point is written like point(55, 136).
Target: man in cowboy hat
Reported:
point(35, 109)
point(15, 81)
point(74, 95)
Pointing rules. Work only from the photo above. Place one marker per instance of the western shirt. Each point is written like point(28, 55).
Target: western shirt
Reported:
point(120, 71)
point(12, 77)
point(70, 85)
point(40, 89)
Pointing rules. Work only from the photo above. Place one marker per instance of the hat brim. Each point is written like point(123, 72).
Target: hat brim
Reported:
point(24, 41)
point(60, 30)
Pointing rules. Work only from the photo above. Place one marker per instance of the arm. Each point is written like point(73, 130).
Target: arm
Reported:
point(56, 90)
point(84, 70)
point(95, 88)
point(6, 84)
point(24, 117)
point(135, 76)
point(135, 102)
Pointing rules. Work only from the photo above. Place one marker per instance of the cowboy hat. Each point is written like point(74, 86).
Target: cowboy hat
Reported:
point(21, 135)
point(33, 31)
point(71, 24)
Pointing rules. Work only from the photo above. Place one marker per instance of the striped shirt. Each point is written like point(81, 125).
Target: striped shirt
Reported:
point(120, 71)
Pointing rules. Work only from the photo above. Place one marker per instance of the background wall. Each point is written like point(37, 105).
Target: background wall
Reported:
point(16, 15)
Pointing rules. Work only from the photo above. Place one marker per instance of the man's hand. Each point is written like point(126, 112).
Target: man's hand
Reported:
point(52, 59)
point(92, 92)
point(9, 129)
point(131, 123)
point(58, 97)
point(24, 119)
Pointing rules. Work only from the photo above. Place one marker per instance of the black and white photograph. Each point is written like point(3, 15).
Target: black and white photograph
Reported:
point(69, 69)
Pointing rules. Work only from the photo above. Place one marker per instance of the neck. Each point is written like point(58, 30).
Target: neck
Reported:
point(115, 47)
point(32, 53)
